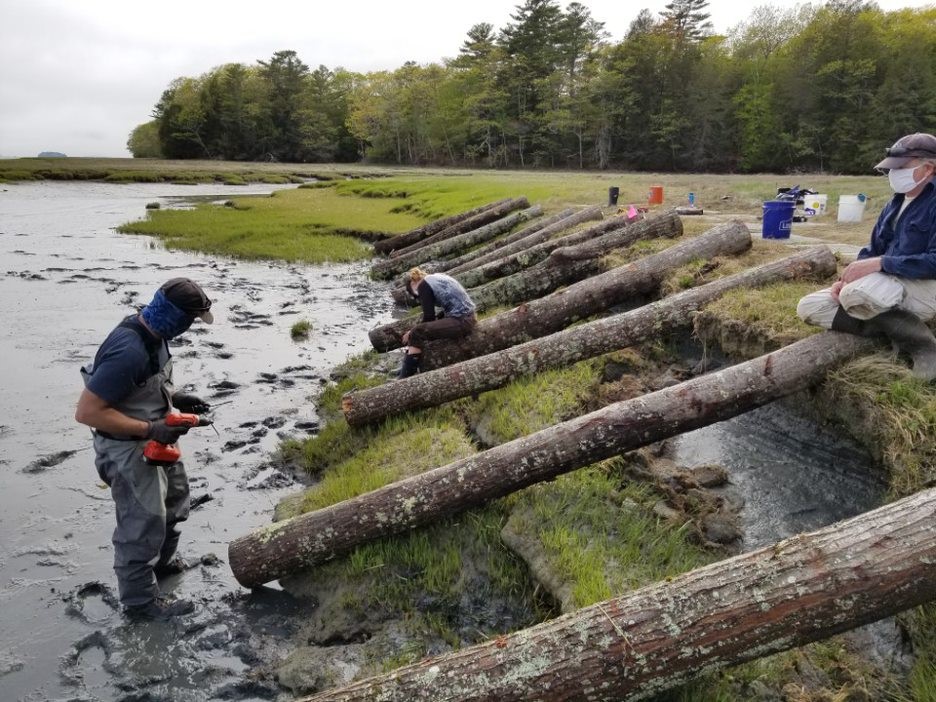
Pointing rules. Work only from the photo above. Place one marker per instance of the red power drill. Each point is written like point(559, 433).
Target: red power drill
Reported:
point(167, 454)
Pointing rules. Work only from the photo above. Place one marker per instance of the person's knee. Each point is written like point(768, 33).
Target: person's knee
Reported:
point(817, 308)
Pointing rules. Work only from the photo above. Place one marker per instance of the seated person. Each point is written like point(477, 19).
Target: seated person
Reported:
point(891, 288)
point(456, 320)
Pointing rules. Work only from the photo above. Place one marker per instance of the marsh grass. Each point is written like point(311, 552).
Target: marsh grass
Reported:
point(601, 536)
point(310, 226)
point(532, 403)
point(893, 413)
point(300, 330)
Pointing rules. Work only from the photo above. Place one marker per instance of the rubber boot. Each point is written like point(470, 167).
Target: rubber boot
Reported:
point(912, 336)
point(844, 322)
point(410, 365)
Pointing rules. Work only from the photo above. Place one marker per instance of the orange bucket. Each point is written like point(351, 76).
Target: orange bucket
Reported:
point(656, 195)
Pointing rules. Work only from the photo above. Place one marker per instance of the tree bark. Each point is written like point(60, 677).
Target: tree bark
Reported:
point(589, 213)
point(393, 266)
point(586, 298)
point(568, 265)
point(508, 265)
point(528, 252)
point(414, 235)
point(479, 220)
point(389, 336)
point(535, 227)
point(571, 345)
point(315, 537)
point(633, 647)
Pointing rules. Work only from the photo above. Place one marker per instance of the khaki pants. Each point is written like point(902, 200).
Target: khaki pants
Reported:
point(868, 297)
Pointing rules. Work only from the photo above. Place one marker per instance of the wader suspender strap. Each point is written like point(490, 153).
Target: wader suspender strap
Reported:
point(151, 343)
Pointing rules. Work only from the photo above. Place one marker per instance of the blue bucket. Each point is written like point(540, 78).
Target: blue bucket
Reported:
point(778, 219)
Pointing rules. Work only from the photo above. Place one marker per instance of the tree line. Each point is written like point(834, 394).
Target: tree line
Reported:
point(807, 87)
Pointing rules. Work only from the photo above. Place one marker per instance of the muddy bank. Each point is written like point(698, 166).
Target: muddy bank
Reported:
point(66, 280)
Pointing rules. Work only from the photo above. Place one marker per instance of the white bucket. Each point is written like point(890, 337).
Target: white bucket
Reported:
point(851, 207)
point(815, 205)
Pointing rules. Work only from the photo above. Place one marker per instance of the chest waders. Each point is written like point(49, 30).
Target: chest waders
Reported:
point(149, 500)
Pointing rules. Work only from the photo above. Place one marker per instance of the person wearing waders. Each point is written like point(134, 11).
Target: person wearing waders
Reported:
point(456, 320)
point(890, 289)
point(128, 393)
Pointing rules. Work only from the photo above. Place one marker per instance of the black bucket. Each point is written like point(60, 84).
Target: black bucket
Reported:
point(613, 193)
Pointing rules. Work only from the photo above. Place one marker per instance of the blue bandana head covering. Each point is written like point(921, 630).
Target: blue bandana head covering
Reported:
point(165, 318)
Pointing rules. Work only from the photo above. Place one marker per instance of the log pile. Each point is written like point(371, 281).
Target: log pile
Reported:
point(315, 537)
point(436, 245)
point(549, 314)
point(413, 236)
point(570, 346)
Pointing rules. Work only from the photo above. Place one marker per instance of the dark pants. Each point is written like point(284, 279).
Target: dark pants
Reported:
point(445, 328)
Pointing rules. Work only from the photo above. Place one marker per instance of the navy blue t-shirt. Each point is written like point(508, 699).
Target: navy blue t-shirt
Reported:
point(123, 362)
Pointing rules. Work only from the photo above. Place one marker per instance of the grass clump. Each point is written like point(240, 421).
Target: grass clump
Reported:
point(601, 537)
point(532, 403)
point(300, 330)
point(880, 403)
point(292, 225)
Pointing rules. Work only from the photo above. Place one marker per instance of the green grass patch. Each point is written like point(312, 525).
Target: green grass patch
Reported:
point(532, 403)
point(601, 537)
point(301, 329)
point(292, 225)
point(891, 412)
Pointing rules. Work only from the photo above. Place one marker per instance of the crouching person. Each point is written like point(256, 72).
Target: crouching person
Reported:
point(456, 320)
point(890, 289)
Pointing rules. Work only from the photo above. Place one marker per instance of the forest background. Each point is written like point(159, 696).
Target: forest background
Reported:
point(805, 88)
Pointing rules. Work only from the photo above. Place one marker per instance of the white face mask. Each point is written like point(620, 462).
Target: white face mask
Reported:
point(901, 179)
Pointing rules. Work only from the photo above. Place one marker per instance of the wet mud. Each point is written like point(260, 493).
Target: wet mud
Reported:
point(66, 280)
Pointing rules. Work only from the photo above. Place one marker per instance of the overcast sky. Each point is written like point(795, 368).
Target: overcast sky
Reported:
point(77, 76)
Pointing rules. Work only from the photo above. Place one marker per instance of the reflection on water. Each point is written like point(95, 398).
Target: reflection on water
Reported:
point(794, 475)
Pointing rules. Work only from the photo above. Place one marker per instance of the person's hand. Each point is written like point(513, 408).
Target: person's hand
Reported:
point(405, 338)
point(193, 404)
point(859, 269)
point(163, 433)
point(836, 289)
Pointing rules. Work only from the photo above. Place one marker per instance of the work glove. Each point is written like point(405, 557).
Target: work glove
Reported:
point(164, 434)
point(192, 404)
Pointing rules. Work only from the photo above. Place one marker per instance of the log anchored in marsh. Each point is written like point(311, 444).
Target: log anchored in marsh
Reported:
point(804, 589)
point(586, 298)
point(315, 537)
point(491, 336)
point(571, 345)
point(424, 232)
point(441, 243)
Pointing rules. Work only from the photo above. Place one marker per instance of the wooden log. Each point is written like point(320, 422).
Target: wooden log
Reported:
point(491, 215)
point(389, 336)
point(413, 236)
point(391, 267)
point(586, 298)
point(531, 250)
point(571, 345)
point(636, 646)
point(315, 537)
point(522, 243)
point(503, 241)
point(568, 265)
point(515, 263)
